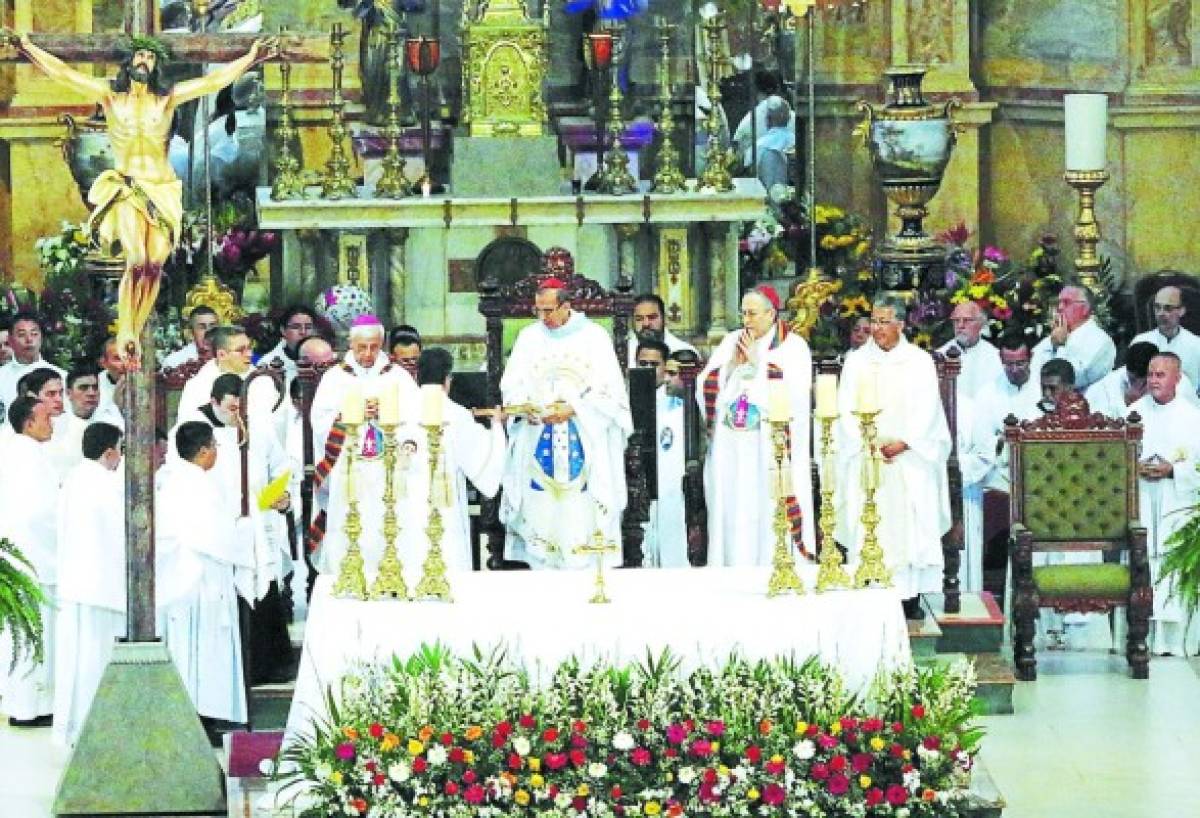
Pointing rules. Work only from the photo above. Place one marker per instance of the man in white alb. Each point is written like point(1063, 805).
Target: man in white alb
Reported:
point(1169, 335)
point(981, 368)
point(1076, 338)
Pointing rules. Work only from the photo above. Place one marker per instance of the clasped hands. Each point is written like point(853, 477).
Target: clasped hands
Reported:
point(889, 450)
point(744, 353)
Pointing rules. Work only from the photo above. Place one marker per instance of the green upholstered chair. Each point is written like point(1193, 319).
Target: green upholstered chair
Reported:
point(1075, 488)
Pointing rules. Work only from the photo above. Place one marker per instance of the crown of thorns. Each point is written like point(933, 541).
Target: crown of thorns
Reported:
point(140, 42)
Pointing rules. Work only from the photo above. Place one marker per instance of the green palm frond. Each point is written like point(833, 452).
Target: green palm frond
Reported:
point(21, 602)
point(1181, 564)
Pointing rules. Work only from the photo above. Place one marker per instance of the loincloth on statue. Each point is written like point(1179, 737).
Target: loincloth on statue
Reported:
point(160, 203)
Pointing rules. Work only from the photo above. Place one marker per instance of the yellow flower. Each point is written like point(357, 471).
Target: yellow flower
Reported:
point(864, 781)
point(835, 729)
point(865, 274)
point(820, 214)
point(473, 732)
point(390, 742)
point(652, 808)
point(336, 778)
point(957, 298)
point(423, 800)
point(752, 794)
point(834, 213)
point(829, 243)
point(535, 763)
point(924, 340)
point(415, 747)
point(536, 781)
point(722, 769)
point(469, 756)
point(907, 755)
point(583, 791)
point(79, 237)
point(861, 249)
point(978, 291)
point(668, 777)
point(802, 726)
point(847, 240)
point(521, 797)
point(878, 744)
point(1000, 302)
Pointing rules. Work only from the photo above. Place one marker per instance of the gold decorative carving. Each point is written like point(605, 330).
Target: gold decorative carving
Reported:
point(504, 63)
point(211, 293)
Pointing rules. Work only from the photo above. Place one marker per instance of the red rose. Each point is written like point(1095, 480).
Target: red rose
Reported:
point(474, 794)
point(578, 758)
point(897, 727)
point(469, 777)
point(553, 791)
point(773, 794)
point(707, 796)
point(451, 788)
point(676, 733)
point(447, 739)
point(753, 754)
point(640, 756)
point(643, 724)
point(838, 784)
point(820, 771)
point(826, 742)
point(670, 752)
point(376, 730)
point(556, 761)
point(897, 796)
point(701, 748)
point(498, 740)
point(527, 721)
point(456, 755)
point(710, 776)
point(504, 728)
point(850, 736)
point(379, 780)
point(896, 751)
point(420, 764)
point(873, 725)
point(578, 741)
point(371, 767)
point(874, 796)
point(514, 761)
point(615, 792)
point(812, 730)
point(918, 711)
point(579, 726)
point(579, 803)
point(359, 804)
point(716, 728)
point(774, 767)
point(861, 762)
point(838, 764)
point(932, 742)
point(549, 735)
point(848, 722)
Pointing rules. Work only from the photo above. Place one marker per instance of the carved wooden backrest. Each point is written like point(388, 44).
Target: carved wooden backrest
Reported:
point(169, 388)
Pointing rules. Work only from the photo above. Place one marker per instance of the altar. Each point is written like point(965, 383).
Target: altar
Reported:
point(543, 617)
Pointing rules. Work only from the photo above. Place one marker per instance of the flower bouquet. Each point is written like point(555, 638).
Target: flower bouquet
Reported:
point(442, 735)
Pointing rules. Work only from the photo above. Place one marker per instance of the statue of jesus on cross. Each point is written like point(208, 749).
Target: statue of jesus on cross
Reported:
point(140, 202)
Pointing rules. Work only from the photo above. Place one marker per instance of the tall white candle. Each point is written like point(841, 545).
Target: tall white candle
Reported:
point(1086, 125)
point(389, 404)
point(778, 408)
point(866, 399)
point(826, 393)
point(432, 404)
point(354, 407)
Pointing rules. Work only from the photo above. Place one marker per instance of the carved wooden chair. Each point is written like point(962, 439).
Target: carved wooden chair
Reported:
point(169, 385)
point(1147, 286)
point(512, 302)
point(1075, 488)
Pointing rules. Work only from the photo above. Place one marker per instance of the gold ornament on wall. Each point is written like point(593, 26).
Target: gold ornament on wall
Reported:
point(504, 65)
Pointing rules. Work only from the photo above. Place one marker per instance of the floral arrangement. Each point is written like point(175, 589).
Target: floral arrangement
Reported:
point(477, 736)
point(779, 240)
point(61, 255)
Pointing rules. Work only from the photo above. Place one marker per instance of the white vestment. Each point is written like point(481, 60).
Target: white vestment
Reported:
point(108, 391)
point(1107, 395)
point(565, 481)
point(741, 482)
point(369, 478)
point(279, 353)
point(262, 399)
point(1170, 432)
point(976, 459)
point(179, 357)
point(1004, 400)
point(28, 511)
point(65, 447)
point(674, 344)
point(665, 544)
point(11, 373)
point(913, 497)
point(91, 590)
point(1185, 344)
point(199, 551)
point(1088, 349)
point(981, 368)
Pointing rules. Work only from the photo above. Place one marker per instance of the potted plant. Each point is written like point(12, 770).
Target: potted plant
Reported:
point(1180, 574)
point(21, 601)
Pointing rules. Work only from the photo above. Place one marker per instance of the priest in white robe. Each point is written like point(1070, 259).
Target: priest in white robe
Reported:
point(981, 370)
point(565, 474)
point(112, 371)
point(665, 543)
point(203, 562)
point(201, 320)
point(91, 577)
point(1169, 334)
point(231, 355)
point(754, 372)
point(1076, 338)
point(297, 323)
point(1168, 485)
point(25, 340)
point(28, 509)
point(913, 440)
point(364, 381)
point(83, 400)
point(650, 324)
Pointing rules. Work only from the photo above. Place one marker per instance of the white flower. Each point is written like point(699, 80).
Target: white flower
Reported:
point(436, 755)
point(399, 772)
point(597, 770)
point(323, 770)
point(521, 745)
point(623, 741)
point(804, 750)
point(562, 800)
point(687, 775)
point(912, 780)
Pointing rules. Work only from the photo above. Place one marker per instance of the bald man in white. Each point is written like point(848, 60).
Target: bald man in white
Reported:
point(1169, 334)
point(981, 367)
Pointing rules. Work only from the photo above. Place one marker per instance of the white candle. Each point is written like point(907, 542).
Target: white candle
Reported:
point(826, 392)
point(1086, 129)
point(432, 404)
point(867, 396)
point(354, 408)
point(778, 408)
point(389, 405)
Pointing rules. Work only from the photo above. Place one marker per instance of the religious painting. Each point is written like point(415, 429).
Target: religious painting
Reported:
point(1058, 41)
point(910, 149)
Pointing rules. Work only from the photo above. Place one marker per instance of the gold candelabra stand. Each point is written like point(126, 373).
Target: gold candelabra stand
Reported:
point(668, 178)
point(351, 581)
point(389, 581)
point(615, 178)
point(870, 567)
point(433, 584)
point(1087, 229)
point(717, 160)
point(598, 547)
point(831, 575)
point(784, 578)
point(337, 183)
point(289, 179)
point(393, 184)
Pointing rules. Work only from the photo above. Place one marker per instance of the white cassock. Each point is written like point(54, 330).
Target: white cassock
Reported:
point(913, 495)
point(11, 373)
point(1107, 395)
point(1185, 344)
point(279, 353)
point(1171, 433)
point(565, 481)
point(740, 477)
point(1088, 349)
point(369, 478)
point(65, 447)
point(201, 553)
point(108, 391)
point(181, 356)
point(981, 368)
point(28, 519)
point(665, 544)
point(1004, 400)
point(976, 459)
point(471, 452)
point(262, 400)
point(674, 344)
point(91, 590)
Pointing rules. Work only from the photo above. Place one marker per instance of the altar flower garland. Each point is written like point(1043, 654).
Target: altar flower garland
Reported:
point(479, 736)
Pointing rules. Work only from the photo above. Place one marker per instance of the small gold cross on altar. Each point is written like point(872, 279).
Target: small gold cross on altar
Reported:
point(598, 546)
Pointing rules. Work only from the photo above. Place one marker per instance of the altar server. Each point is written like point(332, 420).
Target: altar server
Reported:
point(976, 459)
point(755, 373)
point(1168, 487)
point(28, 508)
point(201, 320)
point(900, 381)
point(201, 554)
point(665, 545)
point(91, 577)
point(25, 341)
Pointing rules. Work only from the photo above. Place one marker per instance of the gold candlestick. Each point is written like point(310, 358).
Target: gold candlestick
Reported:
point(598, 547)
point(351, 581)
point(393, 184)
point(289, 180)
point(668, 178)
point(337, 183)
point(831, 575)
point(717, 160)
point(1087, 229)
point(433, 584)
point(615, 177)
point(870, 567)
point(784, 578)
point(389, 581)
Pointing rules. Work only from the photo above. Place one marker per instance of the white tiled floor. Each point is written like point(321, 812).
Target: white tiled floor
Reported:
point(1086, 740)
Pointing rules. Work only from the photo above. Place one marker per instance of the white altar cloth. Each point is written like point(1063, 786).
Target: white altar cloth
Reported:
point(701, 614)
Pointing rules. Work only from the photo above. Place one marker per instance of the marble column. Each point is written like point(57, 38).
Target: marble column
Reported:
point(717, 234)
point(397, 245)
